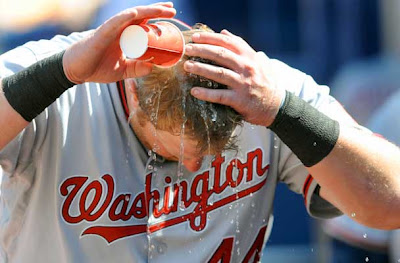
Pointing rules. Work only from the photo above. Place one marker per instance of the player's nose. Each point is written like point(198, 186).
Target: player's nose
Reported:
point(194, 164)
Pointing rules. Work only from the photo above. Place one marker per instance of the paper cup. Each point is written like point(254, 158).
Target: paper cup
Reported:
point(161, 43)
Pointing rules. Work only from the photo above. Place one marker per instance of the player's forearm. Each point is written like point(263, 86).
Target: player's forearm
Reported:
point(361, 176)
point(28, 92)
point(11, 122)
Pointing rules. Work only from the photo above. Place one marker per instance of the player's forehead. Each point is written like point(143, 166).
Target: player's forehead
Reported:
point(176, 139)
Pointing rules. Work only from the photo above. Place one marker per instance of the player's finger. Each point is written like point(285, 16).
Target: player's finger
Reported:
point(139, 13)
point(167, 4)
point(136, 68)
point(234, 43)
point(220, 96)
point(226, 32)
point(219, 74)
point(246, 48)
point(113, 27)
point(217, 40)
point(220, 55)
point(154, 11)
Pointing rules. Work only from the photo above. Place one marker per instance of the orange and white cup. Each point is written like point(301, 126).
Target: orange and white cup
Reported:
point(161, 43)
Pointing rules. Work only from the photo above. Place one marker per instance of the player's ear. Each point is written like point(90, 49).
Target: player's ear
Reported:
point(131, 93)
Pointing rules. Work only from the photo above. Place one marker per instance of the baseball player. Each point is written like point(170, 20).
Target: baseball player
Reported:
point(86, 179)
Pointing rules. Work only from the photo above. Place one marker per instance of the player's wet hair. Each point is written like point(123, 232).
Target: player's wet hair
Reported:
point(165, 100)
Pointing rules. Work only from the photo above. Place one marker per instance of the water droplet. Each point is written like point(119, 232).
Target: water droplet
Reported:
point(149, 153)
point(214, 117)
point(162, 248)
point(182, 206)
point(365, 235)
point(214, 114)
point(150, 167)
point(237, 230)
point(155, 148)
point(127, 198)
point(353, 214)
point(232, 221)
point(314, 144)
point(366, 259)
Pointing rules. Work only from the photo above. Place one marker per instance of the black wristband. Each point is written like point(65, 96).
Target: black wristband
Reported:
point(33, 89)
point(309, 133)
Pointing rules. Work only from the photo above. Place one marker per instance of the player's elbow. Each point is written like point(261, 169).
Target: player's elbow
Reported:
point(386, 216)
point(392, 217)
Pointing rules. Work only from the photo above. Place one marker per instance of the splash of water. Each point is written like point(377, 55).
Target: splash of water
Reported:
point(214, 114)
point(131, 114)
point(182, 147)
point(154, 119)
point(203, 114)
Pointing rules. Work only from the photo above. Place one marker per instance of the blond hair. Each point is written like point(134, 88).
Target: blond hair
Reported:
point(165, 100)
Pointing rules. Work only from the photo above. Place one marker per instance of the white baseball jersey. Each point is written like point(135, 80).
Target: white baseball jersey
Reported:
point(78, 186)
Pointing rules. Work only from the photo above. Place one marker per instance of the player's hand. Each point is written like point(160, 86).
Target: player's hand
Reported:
point(251, 91)
point(99, 58)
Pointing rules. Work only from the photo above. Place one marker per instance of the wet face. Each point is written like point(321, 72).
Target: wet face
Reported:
point(168, 145)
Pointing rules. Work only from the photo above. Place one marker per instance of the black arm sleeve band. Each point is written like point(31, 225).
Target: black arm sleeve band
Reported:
point(309, 133)
point(33, 89)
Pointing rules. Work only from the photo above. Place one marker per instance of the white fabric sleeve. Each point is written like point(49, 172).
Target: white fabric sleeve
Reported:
point(12, 62)
point(21, 150)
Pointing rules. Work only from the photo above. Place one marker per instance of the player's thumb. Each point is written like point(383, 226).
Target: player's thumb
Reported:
point(137, 69)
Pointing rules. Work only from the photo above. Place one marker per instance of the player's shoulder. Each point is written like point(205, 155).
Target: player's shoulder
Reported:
point(281, 70)
point(296, 81)
point(46, 47)
point(23, 56)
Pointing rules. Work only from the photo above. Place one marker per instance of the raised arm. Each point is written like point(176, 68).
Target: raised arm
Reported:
point(11, 121)
point(97, 58)
point(358, 172)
